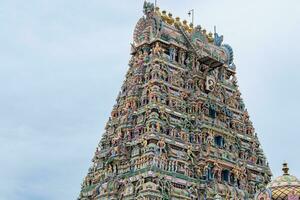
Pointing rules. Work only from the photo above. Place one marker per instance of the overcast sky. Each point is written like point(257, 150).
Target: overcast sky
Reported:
point(62, 64)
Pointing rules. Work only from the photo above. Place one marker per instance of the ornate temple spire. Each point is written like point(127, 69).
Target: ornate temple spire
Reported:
point(179, 129)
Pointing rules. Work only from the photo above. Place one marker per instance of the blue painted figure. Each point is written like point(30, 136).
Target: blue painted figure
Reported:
point(218, 39)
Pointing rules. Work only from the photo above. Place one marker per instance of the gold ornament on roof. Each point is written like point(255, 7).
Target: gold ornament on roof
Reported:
point(170, 19)
point(164, 16)
point(191, 27)
point(157, 11)
point(177, 22)
point(185, 25)
point(210, 37)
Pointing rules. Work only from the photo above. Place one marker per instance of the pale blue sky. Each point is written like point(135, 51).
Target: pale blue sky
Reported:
point(62, 64)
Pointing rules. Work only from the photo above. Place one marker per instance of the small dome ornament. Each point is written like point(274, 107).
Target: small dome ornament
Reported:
point(286, 180)
point(285, 187)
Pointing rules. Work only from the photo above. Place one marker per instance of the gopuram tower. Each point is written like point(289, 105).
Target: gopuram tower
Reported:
point(179, 129)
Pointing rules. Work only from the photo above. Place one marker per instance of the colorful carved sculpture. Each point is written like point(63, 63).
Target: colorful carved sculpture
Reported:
point(179, 129)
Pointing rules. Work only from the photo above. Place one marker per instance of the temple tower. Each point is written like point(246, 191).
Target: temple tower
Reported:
point(179, 129)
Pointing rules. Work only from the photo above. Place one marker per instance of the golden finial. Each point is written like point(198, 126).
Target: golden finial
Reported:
point(191, 28)
point(157, 11)
point(285, 169)
point(210, 37)
point(185, 25)
point(177, 22)
point(164, 16)
point(170, 19)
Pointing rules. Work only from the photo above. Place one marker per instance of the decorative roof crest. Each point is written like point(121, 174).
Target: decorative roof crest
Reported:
point(148, 7)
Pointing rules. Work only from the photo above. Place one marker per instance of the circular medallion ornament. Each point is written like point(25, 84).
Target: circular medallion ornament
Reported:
point(210, 83)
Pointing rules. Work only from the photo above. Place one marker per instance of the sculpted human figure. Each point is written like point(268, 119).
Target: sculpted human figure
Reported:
point(190, 62)
point(197, 65)
point(173, 53)
point(183, 135)
point(210, 138)
point(173, 132)
point(184, 95)
point(161, 145)
point(140, 58)
point(145, 143)
point(128, 134)
point(218, 39)
point(190, 154)
point(232, 79)
point(199, 171)
point(164, 159)
point(228, 195)
point(206, 171)
point(182, 58)
point(158, 127)
point(146, 57)
point(109, 170)
point(158, 51)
